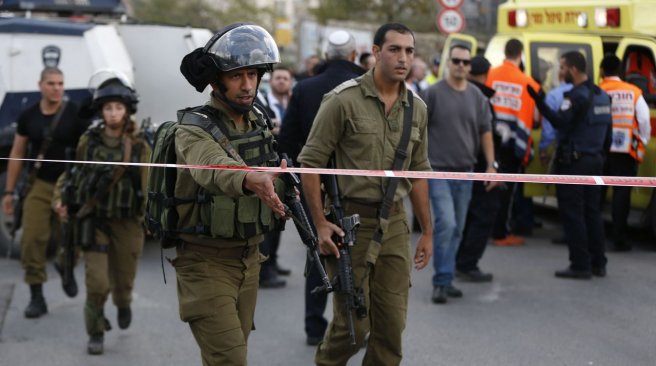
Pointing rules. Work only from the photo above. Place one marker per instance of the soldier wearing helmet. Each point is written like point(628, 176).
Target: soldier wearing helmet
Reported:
point(223, 214)
point(105, 203)
point(44, 131)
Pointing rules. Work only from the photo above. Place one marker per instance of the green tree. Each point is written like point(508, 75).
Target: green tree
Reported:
point(199, 13)
point(415, 13)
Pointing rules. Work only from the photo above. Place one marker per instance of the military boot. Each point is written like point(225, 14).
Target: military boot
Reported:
point(95, 345)
point(124, 317)
point(37, 305)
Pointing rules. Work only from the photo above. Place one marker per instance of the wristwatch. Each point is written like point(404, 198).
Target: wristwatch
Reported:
point(494, 165)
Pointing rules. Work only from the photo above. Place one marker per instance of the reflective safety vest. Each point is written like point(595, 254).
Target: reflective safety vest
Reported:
point(626, 134)
point(125, 198)
point(514, 108)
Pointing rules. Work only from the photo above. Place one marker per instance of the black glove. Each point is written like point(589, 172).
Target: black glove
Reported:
point(537, 96)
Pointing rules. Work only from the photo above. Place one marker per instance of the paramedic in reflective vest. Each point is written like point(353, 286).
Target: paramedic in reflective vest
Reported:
point(631, 132)
point(108, 204)
point(514, 113)
point(218, 264)
point(584, 126)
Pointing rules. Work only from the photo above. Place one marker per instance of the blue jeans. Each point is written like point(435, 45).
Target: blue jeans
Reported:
point(449, 200)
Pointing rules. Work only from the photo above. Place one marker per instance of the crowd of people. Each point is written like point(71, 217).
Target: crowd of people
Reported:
point(360, 111)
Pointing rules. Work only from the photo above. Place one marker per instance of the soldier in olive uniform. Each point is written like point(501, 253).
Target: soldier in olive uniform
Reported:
point(360, 122)
point(218, 260)
point(108, 205)
point(44, 131)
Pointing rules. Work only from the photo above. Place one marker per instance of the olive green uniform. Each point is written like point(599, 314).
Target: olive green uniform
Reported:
point(351, 122)
point(218, 274)
point(111, 260)
point(38, 224)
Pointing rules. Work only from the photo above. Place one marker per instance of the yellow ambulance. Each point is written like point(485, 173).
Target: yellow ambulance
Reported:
point(549, 28)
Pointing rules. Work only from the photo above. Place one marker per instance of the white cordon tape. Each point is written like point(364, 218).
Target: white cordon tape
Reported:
point(499, 177)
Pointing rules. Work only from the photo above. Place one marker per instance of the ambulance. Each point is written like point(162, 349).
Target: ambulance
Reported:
point(550, 28)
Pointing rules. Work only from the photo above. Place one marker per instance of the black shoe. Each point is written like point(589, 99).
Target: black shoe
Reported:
point(124, 317)
point(95, 345)
point(313, 341)
point(283, 271)
point(439, 295)
point(452, 291)
point(623, 247)
point(272, 282)
point(599, 271)
point(559, 241)
point(474, 276)
point(574, 274)
point(36, 307)
point(523, 230)
point(70, 288)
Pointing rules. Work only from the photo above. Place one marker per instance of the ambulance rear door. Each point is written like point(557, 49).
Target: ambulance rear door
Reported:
point(638, 56)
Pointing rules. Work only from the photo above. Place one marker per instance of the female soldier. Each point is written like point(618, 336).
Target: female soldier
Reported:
point(107, 204)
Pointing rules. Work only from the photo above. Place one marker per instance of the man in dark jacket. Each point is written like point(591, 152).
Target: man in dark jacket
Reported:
point(484, 203)
point(302, 108)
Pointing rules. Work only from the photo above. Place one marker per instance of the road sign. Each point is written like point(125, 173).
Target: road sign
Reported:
point(450, 21)
point(451, 4)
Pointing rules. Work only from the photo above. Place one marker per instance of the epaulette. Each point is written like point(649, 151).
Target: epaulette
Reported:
point(345, 85)
point(418, 99)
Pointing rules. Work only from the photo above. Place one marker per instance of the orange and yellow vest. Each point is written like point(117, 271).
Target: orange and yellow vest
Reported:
point(513, 107)
point(626, 137)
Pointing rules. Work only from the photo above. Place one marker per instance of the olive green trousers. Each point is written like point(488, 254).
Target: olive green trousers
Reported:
point(217, 297)
point(111, 266)
point(386, 295)
point(39, 224)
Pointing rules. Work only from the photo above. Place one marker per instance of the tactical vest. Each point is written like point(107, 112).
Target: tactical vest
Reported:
point(125, 199)
point(220, 216)
point(589, 136)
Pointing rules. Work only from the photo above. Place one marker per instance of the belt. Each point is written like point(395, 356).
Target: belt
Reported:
point(370, 210)
point(225, 253)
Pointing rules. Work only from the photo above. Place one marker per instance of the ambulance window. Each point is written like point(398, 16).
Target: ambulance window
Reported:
point(639, 70)
point(545, 61)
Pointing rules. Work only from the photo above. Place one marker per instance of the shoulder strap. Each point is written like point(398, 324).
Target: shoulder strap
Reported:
point(399, 158)
point(51, 132)
point(196, 118)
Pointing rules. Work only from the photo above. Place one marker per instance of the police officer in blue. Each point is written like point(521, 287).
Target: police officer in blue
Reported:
point(584, 124)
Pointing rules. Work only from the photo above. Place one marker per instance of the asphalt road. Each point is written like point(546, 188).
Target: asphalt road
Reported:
point(524, 317)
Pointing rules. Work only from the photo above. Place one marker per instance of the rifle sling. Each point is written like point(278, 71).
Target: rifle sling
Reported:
point(48, 140)
point(399, 159)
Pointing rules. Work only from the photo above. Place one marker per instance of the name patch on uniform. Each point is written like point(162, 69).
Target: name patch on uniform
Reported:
point(601, 109)
point(566, 105)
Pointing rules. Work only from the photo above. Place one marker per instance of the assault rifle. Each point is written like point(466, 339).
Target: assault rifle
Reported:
point(23, 185)
point(343, 282)
point(68, 192)
point(295, 210)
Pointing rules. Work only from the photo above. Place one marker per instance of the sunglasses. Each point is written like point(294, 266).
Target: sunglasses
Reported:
point(457, 61)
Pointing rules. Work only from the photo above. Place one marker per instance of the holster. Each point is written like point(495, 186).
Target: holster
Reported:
point(565, 152)
point(85, 232)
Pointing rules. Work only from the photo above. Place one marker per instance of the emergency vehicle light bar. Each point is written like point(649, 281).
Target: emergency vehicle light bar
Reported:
point(518, 18)
point(607, 17)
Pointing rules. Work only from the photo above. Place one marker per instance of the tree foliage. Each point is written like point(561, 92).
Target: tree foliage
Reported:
point(199, 13)
point(417, 14)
